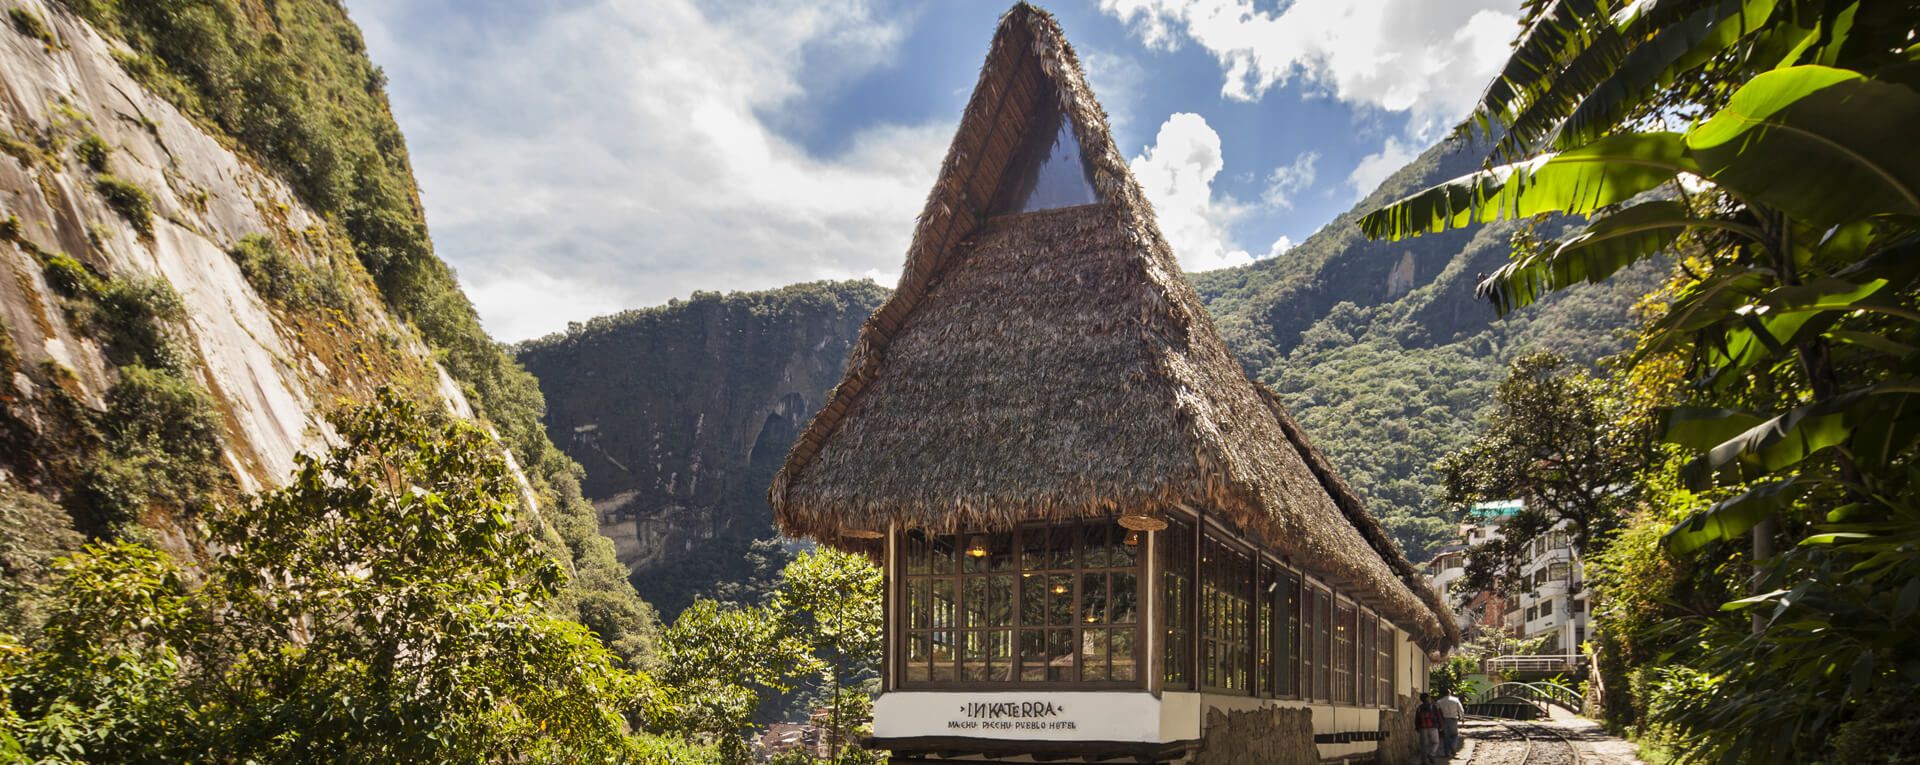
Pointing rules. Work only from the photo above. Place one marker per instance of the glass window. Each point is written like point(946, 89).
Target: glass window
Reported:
point(1048, 603)
point(1048, 170)
point(1264, 622)
point(1384, 659)
point(1322, 645)
point(1309, 617)
point(1226, 616)
point(1288, 636)
point(1343, 654)
point(1176, 552)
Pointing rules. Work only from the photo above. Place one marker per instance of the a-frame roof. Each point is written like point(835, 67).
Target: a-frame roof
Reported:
point(1055, 364)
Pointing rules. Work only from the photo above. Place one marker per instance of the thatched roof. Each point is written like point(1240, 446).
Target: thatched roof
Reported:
point(1055, 364)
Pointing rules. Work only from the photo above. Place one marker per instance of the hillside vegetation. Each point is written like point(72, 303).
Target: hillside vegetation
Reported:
point(1383, 352)
point(290, 85)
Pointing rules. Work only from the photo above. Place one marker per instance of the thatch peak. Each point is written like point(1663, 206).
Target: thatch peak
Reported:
point(1055, 364)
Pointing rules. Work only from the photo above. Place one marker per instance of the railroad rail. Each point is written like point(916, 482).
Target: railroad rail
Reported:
point(1525, 743)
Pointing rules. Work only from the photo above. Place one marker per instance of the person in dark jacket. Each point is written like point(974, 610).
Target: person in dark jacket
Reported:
point(1426, 724)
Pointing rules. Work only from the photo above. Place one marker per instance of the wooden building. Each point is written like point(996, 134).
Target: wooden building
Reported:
point(1101, 540)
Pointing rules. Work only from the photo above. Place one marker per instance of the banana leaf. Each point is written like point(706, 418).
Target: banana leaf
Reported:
point(1701, 36)
point(1606, 172)
point(1824, 145)
point(1730, 517)
point(1597, 252)
point(1702, 428)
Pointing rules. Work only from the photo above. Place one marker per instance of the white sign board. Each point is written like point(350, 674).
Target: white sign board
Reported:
point(1019, 715)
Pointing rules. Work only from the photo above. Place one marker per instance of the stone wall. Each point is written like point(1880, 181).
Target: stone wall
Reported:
point(1399, 744)
point(1272, 736)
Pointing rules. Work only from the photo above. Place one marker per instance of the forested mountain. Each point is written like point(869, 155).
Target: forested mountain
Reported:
point(216, 243)
point(682, 413)
point(1382, 351)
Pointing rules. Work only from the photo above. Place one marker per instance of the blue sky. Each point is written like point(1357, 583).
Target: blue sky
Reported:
point(579, 157)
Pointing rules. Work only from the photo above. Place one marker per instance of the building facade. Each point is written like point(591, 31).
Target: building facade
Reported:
point(1549, 601)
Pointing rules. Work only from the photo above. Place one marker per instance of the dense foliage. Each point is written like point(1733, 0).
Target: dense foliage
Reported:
point(391, 604)
point(290, 83)
point(1551, 443)
point(1778, 371)
point(818, 632)
point(387, 605)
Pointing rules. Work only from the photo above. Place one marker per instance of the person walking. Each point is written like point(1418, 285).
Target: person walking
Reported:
point(1451, 710)
point(1426, 725)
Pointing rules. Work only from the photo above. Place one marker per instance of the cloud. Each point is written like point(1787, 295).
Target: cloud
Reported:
point(1280, 246)
point(1287, 180)
point(1374, 168)
point(625, 153)
point(1423, 58)
point(1116, 80)
point(1177, 173)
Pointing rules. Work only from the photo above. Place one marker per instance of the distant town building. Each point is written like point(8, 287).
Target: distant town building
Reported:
point(784, 737)
point(1551, 599)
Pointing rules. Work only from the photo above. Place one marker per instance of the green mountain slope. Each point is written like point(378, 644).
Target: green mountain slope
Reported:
point(1382, 350)
point(289, 86)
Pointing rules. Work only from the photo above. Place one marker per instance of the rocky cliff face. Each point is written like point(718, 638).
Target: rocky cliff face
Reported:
point(179, 319)
point(681, 414)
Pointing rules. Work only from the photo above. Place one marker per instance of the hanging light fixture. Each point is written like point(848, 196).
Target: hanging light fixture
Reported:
point(1059, 589)
point(1132, 540)
point(977, 548)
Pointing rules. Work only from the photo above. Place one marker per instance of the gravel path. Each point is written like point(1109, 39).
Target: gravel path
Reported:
point(1566, 741)
point(1520, 743)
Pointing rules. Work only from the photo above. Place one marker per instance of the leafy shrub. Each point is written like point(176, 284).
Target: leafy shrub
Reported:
point(70, 277)
point(137, 316)
point(28, 23)
point(285, 281)
point(128, 199)
point(33, 532)
point(161, 448)
point(93, 150)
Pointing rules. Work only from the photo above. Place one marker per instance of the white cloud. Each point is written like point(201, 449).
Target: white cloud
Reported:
point(1375, 167)
point(1280, 246)
point(1287, 180)
point(624, 152)
point(1115, 81)
point(1177, 174)
point(1425, 58)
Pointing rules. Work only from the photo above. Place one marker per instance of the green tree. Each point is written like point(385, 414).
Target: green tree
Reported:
point(720, 662)
point(389, 605)
point(830, 600)
point(1551, 443)
point(1797, 199)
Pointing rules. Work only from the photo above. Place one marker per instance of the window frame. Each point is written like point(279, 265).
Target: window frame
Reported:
point(906, 630)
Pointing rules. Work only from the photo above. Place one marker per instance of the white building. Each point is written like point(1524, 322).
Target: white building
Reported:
point(1551, 599)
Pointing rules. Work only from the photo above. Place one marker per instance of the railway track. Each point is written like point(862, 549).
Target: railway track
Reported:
point(1513, 742)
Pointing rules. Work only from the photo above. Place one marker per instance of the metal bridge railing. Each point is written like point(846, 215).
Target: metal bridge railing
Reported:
point(1529, 663)
point(1539, 694)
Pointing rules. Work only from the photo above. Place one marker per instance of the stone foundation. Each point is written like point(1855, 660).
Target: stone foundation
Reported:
point(1260, 737)
point(1399, 745)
